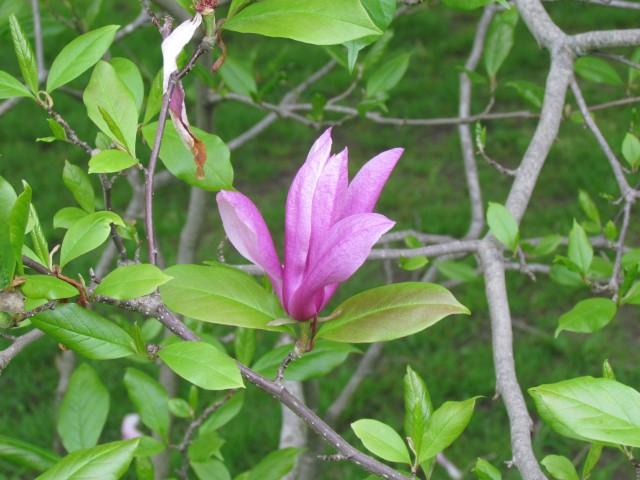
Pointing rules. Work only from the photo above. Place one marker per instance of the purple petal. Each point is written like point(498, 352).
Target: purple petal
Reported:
point(345, 249)
point(364, 190)
point(248, 232)
point(298, 214)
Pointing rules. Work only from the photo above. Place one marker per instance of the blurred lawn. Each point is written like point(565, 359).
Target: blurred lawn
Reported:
point(426, 192)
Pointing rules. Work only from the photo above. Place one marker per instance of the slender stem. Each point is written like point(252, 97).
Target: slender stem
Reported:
point(17, 346)
point(618, 261)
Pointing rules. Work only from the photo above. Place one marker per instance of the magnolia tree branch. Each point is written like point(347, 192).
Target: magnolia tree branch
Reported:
point(19, 344)
point(37, 37)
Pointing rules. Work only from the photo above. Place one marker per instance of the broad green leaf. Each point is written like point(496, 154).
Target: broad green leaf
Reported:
point(154, 100)
point(499, 41)
point(631, 258)
point(417, 407)
point(150, 399)
point(596, 410)
point(381, 12)
point(238, 77)
point(532, 93)
point(85, 332)
point(180, 408)
point(149, 446)
point(220, 294)
point(23, 453)
point(631, 149)
point(455, 270)
point(131, 77)
point(275, 465)
point(131, 281)
point(203, 365)
point(45, 286)
point(10, 87)
point(87, 234)
point(107, 462)
point(67, 216)
point(485, 471)
point(466, 4)
point(109, 161)
point(580, 250)
point(24, 52)
point(563, 276)
point(218, 173)
point(589, 207)
point(632, 296)
point(144, 468)
point(236, 6)
point(503, 225)
point(78, 183)
point(547, 245)
point(445, 425)
point(206, 445)
point(382, 440)
point(79, 56)
point(38, 239)
point(210, 470)
point(587, 316)
point(597, 70)
point(244, 345)
point(390, 312)
point(325, 357)
point(560, 467)
point(387, 76)
point(225, 413)
point(591, 461)
point(319, 22)
point(108, 92)
point(18, 220)
point(83, 411)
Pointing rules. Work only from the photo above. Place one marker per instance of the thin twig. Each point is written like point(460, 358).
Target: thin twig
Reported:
point(613, 283)
point(72, 137)
point(37, 37)
point(17, 346)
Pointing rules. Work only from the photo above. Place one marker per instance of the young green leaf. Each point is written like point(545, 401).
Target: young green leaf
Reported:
point(413, 263)
point(387, 76)
point(87, 234)
point(67, 216)
point(631, 150)
point(417, 407)
point(110, 161)
point(499, 41)
point(560, 467)
point(236, 6)
point(632, 296)
point(390, 312)
point(485, 471)
point(532, 93)
point(547, 245)
point(238, 77)
point(589, 207)
point(131, 281)
point(24, 52)
point(10, 87)
point(220, 294)
point(382, 440)
point(154, 100)
point(611, 231)
point(503, 225)
point(591, 461)
point(244, 345)
point(180, 408)
point(597, 410)
point(110, 460)
point(18, 220)
point(597, 70)
point(334, 21)
point(83, 410)
point(44, 286)
point(203, 365)
point(580, 250)
point(78, 183)
point(38, 239)
point(22, 453)
point(588, 316)
point(210, 469)
point(455, 270)
point(150, 399)
point(85, 332)
point(445, 425)
point(275, 465)
point(466, 4)
point(224, 414)
point(79, 56)
point(131, 77)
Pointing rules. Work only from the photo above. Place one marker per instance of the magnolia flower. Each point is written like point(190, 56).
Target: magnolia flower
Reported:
point(129, 426)
point(171, 48)
point(329, 227)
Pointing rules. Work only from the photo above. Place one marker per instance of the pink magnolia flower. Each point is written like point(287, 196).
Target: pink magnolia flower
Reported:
point(329, 227)
point(171, 48)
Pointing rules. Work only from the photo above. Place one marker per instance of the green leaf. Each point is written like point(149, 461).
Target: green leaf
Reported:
point(560, 467)
point(18, 220)
point(150, 399)
point(589, 207)
point(38, 239)
point(275, 465)
point(225, 413)
point(319, 22)
point(390, 312)
point(236, 6)
point(532, 93)
point(587, 316)
point(238, 77)
point(79, 56)
point(596, 410)
point(108, 92)
point(108, 461)
point(547, 245)
point(445, 425)
point(382, 440)
point(149, 447)
point(45, 286)
point(180, 408)
point(23, 453)
point(83, 411)
point(220, 294)
point(466, 4)
point(179, 161)
point(144, 468)
point(503, 225)
point(455, 270)
point(244, 345)
point(206, 445)
point(631, 149)
point(78, 183)
point(632, 296)
point(203, 365)
point(499, 41)
point(597, 70)
point(87, 234)
point(85, 332)
point(210, 470)
point(417, 407)
point(607, 370)
point(631, 258)
point(387, 76)
point(58, 130)
point(580, 250)
point(110, 161)
point(325, 357)
point(413, 263)
point(131, 77)
point(485, 471)
point(67, 216)
point(154, 100)
point(24, 52)
point(611, 231)
point(10, 87)
point(131, 281)
point(591, 461)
